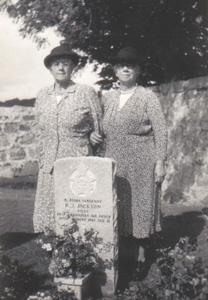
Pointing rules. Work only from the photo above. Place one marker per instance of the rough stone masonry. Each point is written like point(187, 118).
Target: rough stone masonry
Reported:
point(185, 107)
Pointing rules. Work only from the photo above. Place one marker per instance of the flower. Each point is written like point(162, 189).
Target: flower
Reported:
point(47, 247)
point(195, 281)
point(40, 241)
point(171, 253)
point(204, 281)
point(73, 254)
point(169, 293)
point(190, 258)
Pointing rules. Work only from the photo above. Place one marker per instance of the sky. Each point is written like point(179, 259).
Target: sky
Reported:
point(22, 72)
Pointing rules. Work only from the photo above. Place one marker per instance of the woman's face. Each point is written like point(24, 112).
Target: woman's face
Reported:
point(61, 69)
point(127, 73)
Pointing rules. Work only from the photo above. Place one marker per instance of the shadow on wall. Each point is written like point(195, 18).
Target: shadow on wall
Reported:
point(187, 119)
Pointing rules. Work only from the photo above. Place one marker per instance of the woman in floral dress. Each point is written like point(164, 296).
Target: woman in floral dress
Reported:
point(136, 138)
point(68, 115)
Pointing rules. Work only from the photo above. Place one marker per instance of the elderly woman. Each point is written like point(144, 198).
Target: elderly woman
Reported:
point(68, 116)
point(136, 138)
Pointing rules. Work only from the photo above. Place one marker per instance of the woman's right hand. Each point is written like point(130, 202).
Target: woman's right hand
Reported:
point(159, 171)
point(95, 138)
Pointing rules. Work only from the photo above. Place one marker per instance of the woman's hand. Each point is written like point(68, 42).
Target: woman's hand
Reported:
point(159, 171)
point(95, 138)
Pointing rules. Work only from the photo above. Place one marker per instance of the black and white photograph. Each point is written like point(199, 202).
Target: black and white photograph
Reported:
point(104, 150)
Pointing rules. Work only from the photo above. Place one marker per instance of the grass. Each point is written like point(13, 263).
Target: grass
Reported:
point(18, 240)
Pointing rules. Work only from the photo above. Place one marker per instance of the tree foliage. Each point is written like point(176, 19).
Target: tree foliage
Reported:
point(170, 35)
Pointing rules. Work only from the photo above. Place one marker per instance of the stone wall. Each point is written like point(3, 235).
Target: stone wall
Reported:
point(185, 105)
point(18, 144)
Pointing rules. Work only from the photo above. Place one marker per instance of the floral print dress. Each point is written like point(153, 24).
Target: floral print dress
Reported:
point(136, 137)
point(64, 130)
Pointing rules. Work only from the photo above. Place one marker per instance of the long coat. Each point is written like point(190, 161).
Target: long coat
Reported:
point(136, 138)
point(64, 131)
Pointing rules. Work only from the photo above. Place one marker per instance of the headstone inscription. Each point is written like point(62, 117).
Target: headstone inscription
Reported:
point(85, 190)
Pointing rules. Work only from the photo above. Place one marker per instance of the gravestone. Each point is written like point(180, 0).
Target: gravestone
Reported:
point(85, 190)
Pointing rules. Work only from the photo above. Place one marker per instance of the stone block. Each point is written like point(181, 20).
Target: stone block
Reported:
point(188, 175)
point(172, 196)
point(203, 138)
point(6, 171)
point(204, 125)
point(190, 94)
point(3, 155)
point(188, 147)
point(26, 139)
point(80, 286)
point(30, 168)
point(205, 201)
point(179, 86)
point(3, 118)
point(17, 153)
point(11, 127)
point(24, 127)
point(33, 152)
point(205, 116)
point(4, 141)
point(29, 117)
point(85, 191)
point(197, 83)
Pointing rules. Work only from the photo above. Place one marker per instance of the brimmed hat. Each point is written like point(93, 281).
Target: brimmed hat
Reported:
point(59, 51)
point(127, 54)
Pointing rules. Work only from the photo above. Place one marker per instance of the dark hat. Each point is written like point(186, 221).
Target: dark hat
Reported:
point(127, 54)
point(59, 51)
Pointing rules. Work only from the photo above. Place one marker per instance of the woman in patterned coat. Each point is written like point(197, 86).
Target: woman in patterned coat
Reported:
point(136, 138)
point(68, 115)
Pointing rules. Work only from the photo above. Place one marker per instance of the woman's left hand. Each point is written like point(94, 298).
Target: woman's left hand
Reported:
point(159, 171)
point(95, 138)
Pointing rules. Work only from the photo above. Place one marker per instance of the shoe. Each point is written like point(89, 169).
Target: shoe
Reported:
point(140, 271)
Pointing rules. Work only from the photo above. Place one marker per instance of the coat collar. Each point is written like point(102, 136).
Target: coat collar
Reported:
point(139, 89)
point(70, 89)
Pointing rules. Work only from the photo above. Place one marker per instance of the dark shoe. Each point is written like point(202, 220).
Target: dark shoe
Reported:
point(140, 271)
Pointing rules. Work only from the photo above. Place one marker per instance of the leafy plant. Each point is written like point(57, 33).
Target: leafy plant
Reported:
point(17, 282)
point(73, 255)
point(178, 274)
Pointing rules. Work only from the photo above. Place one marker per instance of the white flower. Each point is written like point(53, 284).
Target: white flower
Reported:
point(190, 258)
point(195, 281)
point(171, 253)
point(203, 280)
point(169, 292)
point(40, 241)
point(47, 247)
